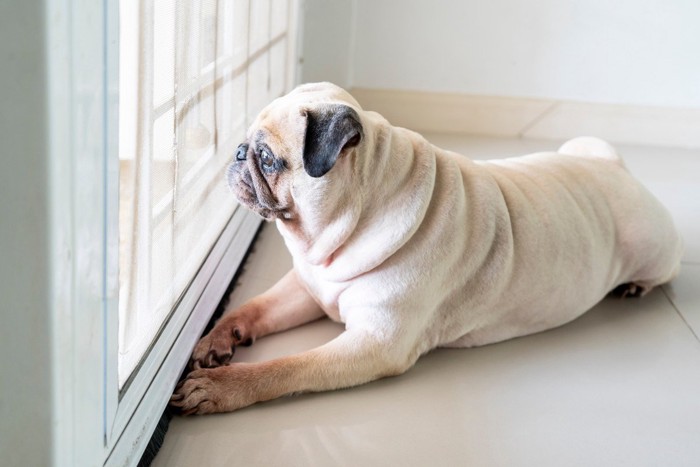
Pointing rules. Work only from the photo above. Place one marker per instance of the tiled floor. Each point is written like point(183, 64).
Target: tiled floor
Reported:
point(619, 386)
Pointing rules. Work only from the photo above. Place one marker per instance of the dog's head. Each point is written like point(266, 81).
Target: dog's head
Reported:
point(298, 153)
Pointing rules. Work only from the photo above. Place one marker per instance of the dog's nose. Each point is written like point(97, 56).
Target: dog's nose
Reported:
point(242, 152)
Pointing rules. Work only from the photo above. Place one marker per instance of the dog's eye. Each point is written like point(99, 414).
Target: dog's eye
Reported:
point(266, 159)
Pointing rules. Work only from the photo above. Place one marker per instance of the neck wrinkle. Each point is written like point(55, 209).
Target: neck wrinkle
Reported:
point(315, 234)
point(397, 164)
point(398, 192)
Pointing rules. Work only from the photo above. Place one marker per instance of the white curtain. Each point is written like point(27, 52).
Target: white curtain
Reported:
point(193, 75)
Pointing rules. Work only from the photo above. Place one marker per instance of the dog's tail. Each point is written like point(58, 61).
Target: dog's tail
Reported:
point(588, 146)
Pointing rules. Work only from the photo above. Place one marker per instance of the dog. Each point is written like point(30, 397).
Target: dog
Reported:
point(413, 247)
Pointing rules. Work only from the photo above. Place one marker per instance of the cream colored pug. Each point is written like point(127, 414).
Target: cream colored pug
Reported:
point(414, 247)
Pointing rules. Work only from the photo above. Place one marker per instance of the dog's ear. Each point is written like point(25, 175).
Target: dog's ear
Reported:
point(330, 130)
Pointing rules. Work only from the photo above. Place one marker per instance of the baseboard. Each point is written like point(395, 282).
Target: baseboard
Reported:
point(534, 118)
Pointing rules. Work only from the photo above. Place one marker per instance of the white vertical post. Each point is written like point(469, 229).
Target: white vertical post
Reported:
point(56, 224)
point(25, 238)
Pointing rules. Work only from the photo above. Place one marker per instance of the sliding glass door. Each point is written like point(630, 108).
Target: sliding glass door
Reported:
point(192, 76)
point(129, 115)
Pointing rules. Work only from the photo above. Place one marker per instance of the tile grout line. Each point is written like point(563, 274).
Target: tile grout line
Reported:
point(697, 338)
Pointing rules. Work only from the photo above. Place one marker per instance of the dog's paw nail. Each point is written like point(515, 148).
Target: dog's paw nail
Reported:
point(237, 334)
point(207, 358)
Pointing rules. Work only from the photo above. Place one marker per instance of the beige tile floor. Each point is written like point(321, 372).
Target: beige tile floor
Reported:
point(618, 386)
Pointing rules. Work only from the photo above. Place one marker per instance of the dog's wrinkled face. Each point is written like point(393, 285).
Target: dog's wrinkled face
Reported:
point(260, 174)
point(297, 138)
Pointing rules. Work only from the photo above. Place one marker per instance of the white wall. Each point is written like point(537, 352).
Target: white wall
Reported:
point(640, 52)
point(327, 30)
point(25, 386)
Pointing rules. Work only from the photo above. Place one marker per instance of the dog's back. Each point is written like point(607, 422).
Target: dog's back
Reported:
point(580, 225)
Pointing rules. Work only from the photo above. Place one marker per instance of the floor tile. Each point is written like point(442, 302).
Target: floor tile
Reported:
point(267, 262)
point(269, 257)
point(684, 292)
point(618, 386)
point(672, 175)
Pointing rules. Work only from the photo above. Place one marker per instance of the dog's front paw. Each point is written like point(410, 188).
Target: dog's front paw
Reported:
point(217, 348)
point(210, 390)
point(197, 394)
point(214, 349)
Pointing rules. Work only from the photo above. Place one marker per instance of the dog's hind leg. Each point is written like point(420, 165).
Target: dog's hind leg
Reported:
point(286, 305)
point(631, 290)
point(639, 288)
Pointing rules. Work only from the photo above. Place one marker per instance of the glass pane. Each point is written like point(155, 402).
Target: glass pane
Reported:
point(163, 51)
point(186, 93)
